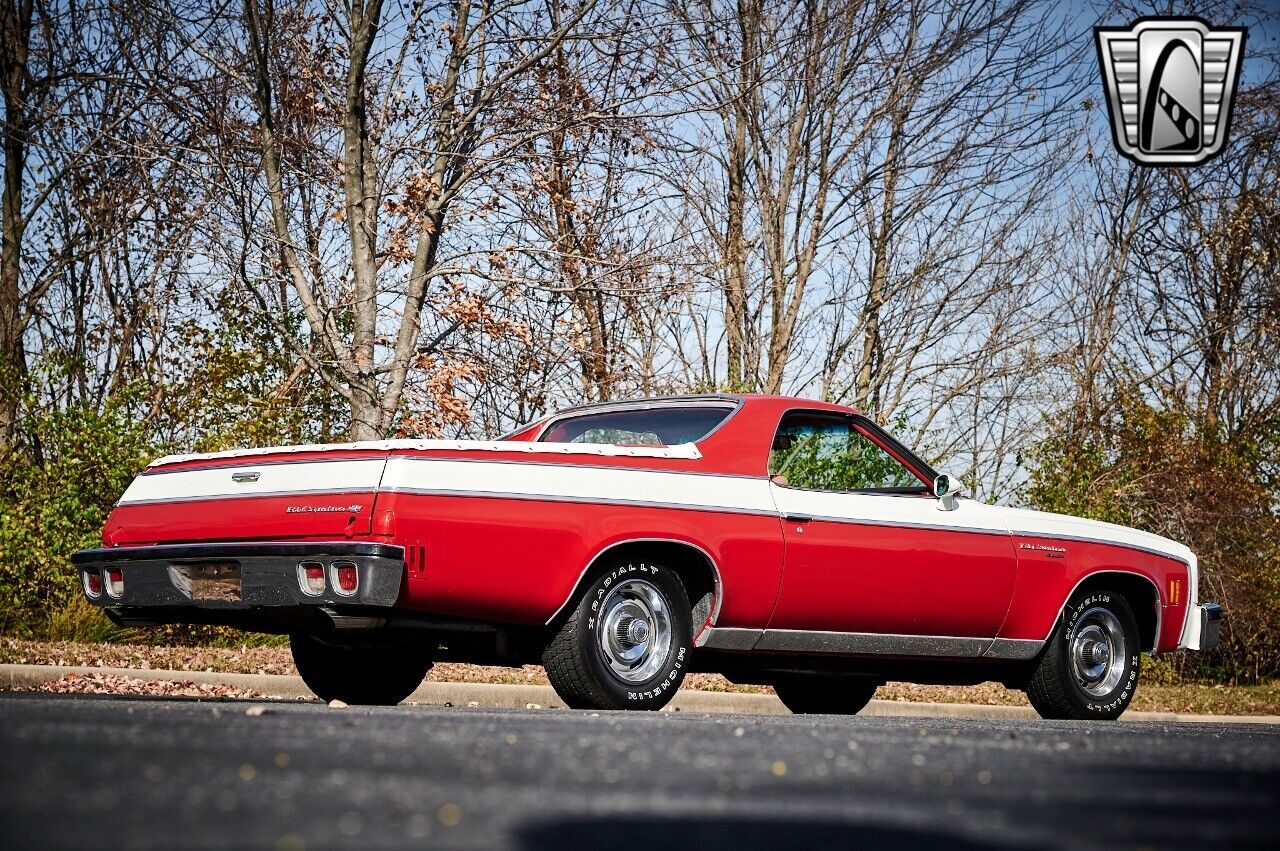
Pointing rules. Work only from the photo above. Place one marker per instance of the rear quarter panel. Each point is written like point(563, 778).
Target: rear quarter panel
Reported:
point(518, 560)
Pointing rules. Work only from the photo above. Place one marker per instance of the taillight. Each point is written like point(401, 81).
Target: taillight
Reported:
point(345, 578)
point(115, 582)
point(93, 583)
point(311, 578)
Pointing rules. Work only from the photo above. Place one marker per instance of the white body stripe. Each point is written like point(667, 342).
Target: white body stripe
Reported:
point(308, 477)
point(1026, 521)
point(601, 483)
point(566, 481)
point(622, 485)
point(966, 516)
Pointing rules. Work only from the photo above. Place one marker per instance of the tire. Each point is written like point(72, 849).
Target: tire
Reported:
point(819, 695)
point(1089, 669)
point(359, 674)
point(625, 644)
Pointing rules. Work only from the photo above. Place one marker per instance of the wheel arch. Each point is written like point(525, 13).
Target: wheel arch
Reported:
point(1139, 591)
point(695, 566)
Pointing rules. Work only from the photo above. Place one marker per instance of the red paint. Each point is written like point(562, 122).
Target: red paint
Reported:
point(260, 518)
point(850, 577)
point(518, 560)
point(1045, 582)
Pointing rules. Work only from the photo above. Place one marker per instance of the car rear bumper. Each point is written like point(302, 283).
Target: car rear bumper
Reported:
point(240, 575)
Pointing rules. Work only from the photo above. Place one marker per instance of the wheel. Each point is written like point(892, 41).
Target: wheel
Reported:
point(359, 674)
point(1089, 668)
point(819, 695)
point(625, 644)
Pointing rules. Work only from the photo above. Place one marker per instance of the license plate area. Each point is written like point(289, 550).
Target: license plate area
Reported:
point(213, 581)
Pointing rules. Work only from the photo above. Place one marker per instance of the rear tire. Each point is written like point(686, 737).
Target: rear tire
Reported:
point(1089, 668)
point(359, 674)
point(824, 695)
point(625, 644)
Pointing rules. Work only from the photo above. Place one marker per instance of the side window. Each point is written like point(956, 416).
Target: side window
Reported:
point(824, 453)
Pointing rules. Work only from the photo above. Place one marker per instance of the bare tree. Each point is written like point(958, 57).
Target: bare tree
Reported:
point(456, 129)
point(78, 200)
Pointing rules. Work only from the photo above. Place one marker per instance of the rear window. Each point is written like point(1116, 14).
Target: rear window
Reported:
point(644, 427)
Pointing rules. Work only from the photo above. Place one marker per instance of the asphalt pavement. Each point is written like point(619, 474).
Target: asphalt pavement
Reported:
point(84, 772)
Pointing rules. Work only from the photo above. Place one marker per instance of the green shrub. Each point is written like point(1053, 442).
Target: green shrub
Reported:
point(1164, 471)
point(55, 494)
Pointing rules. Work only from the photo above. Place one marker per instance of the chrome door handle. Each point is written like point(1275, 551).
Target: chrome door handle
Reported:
point(796, 518)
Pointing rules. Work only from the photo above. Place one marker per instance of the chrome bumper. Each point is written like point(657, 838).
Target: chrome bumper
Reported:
point(265, 574)
point(1210, 625)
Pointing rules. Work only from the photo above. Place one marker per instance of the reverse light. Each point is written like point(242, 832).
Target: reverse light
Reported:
point(346, 579)
point(115, 582)
point(93, 583)
point(311, 578)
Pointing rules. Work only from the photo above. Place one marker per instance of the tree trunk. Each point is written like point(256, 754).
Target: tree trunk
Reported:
point(370, 416)
point(15, 36)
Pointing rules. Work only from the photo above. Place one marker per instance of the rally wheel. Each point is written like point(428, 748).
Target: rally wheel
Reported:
point(625, 644)
point(1089, 668)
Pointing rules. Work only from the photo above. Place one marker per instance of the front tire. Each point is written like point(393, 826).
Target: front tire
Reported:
point(825, 695)
point(359, 674)
point(1089, 669)
point(625, 645)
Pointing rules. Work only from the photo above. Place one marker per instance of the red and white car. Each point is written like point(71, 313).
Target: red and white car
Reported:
point(775, 540)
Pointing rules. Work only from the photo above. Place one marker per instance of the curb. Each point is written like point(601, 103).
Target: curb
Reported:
point(500, 696)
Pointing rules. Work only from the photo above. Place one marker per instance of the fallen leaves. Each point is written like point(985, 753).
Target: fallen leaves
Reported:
point(242, 660)
point(115, 684)
point(1151, 696)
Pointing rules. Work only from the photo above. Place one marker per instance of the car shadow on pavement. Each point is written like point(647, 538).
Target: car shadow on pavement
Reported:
point(734, 834)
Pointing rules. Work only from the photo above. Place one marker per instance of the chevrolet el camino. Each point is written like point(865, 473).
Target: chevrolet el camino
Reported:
point(774, 540)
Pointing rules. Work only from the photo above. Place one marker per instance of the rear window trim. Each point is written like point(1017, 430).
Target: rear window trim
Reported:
point(733, 404)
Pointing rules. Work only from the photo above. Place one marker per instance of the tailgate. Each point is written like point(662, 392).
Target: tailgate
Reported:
point(254, 498)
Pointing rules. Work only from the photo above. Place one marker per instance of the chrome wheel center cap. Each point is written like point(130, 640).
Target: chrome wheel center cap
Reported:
point(1098, 652)
point(636, 632)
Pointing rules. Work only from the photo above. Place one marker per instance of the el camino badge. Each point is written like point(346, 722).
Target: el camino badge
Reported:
point(322, 509)
point(1048, 549)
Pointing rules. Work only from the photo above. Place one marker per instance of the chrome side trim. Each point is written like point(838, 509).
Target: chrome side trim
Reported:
point(897, 524)
point(1014, 648)
point(728, 638)
point(718, 590)
point(1087, 540)
point(871, 643)
point(867, 643)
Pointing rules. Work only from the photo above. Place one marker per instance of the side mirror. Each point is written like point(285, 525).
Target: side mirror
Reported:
point(946, 488)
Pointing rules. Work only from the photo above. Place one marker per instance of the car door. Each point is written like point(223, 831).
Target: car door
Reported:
point(870, 553)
